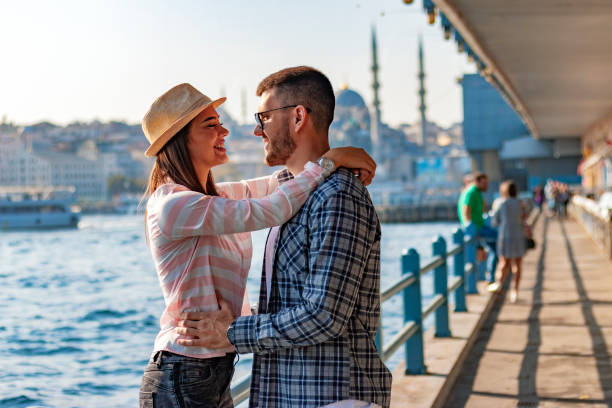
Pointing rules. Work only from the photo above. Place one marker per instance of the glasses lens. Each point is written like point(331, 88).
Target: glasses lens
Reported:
point(258, 120)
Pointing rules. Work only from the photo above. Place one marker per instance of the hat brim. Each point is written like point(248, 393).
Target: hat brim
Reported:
point(180, 123)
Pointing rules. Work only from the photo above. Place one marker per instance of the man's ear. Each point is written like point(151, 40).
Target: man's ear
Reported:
point(300, 117)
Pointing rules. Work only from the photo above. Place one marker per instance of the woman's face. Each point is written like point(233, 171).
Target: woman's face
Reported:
point(206, 140)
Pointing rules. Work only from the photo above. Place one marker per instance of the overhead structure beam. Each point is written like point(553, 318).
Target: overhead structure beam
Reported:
point(500, 80)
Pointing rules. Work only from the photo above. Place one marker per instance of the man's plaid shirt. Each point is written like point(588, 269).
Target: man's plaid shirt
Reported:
point(314, 340)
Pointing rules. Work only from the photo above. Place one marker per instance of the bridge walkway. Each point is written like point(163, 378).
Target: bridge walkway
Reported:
point(553, 347)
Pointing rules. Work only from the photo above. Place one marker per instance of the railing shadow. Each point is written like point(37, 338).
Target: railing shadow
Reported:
point(603, 360)
point(527, 394)
point(465, 383)
point(464, 387)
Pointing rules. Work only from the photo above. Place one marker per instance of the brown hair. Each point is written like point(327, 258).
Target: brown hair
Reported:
point(303, 86)
point(508, 189)
point(479, 176)
point(173, 161)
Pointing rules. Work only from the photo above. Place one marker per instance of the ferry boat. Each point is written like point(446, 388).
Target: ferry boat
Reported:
point(37, 208)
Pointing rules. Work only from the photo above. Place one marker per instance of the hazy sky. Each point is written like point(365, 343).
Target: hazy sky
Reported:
point(84, 59)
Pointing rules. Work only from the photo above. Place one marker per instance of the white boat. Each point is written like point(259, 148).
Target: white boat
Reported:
point(37, 208)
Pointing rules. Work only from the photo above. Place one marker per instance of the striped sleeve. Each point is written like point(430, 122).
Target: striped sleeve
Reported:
point(183, 213)
point(252, 188)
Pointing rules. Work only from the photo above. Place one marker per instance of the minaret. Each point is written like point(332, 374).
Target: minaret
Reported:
point(422, 106)
point(375, 84)
point(375, 116)
point(244, 105)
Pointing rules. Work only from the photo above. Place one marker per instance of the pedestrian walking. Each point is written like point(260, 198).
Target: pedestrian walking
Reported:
point(509, 217)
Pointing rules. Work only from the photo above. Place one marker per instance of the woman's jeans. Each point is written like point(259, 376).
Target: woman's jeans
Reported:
point(172, 380)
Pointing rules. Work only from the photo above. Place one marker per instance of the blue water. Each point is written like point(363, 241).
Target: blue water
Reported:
point(79, 309)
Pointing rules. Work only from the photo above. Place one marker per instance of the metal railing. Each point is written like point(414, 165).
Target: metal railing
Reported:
point(597, 221)
point(463, 281)
point(465, 271)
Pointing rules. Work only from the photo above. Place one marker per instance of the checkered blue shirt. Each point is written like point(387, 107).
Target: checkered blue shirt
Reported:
point(314, 340)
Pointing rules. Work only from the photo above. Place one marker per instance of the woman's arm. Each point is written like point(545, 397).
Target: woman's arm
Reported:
point(351, 157)
point(182, 213)
point(495, 215)
point(252, 188)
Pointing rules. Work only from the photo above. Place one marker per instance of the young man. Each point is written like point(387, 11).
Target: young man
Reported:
point(471, 210)
point(319, 305)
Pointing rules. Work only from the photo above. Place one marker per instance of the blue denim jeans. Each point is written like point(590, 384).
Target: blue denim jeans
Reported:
point(489, 236)
point(172, 380)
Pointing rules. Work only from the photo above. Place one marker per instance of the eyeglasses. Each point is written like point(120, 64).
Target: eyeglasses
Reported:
point(258, 120)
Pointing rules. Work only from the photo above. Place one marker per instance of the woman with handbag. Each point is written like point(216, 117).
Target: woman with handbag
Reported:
point(509, 217)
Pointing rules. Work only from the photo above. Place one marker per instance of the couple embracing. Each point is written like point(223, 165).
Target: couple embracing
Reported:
point(312, 331)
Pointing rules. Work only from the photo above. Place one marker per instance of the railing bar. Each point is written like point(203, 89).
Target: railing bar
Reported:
point(399, 339)
point(470, 240)
point(437, 261)
point(397, 287)
point(455, 250)
point(240, 392)
point(437, 301)
point(455, 284)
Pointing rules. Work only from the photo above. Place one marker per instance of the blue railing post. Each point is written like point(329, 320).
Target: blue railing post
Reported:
point(415, 359)
point(459, 272)
point(441, 288)
point(470, 256)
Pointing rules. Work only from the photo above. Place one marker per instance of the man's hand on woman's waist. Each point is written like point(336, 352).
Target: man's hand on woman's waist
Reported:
point(206, 329)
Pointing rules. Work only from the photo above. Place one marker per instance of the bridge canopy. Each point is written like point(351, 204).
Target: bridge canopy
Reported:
point(552, 59)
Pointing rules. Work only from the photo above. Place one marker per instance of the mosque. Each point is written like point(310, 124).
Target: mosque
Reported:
point(351, 125)
point(398, 152)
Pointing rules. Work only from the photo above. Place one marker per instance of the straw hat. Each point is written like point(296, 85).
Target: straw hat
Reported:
point(171, 112)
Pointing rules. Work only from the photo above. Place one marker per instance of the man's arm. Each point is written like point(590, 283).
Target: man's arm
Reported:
point(467, 213)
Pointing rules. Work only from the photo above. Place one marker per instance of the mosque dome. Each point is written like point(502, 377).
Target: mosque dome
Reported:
point(349, 98)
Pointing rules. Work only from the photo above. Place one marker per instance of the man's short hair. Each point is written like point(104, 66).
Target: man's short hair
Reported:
point(479, 176)
point(303, 86)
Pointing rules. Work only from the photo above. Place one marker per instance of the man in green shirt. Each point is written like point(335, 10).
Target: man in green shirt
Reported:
point(471, 209)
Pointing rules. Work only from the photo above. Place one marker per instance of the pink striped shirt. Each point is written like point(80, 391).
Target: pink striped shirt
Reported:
point(201, 244)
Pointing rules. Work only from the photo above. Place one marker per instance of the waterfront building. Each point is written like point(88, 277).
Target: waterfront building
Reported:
point(444, 171)
point(499, 143)
point(87, 176)
point(20, 166)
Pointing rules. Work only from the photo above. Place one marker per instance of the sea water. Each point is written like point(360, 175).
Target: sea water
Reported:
point(79, 309)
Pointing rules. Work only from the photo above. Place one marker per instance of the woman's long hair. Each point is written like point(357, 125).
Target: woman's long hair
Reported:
point(508, 189)
point(173, 161)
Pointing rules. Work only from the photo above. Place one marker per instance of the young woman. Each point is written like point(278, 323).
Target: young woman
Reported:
point(509, 217)
point(199, 236)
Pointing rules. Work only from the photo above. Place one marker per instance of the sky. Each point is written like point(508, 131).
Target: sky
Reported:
point(75, 60)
